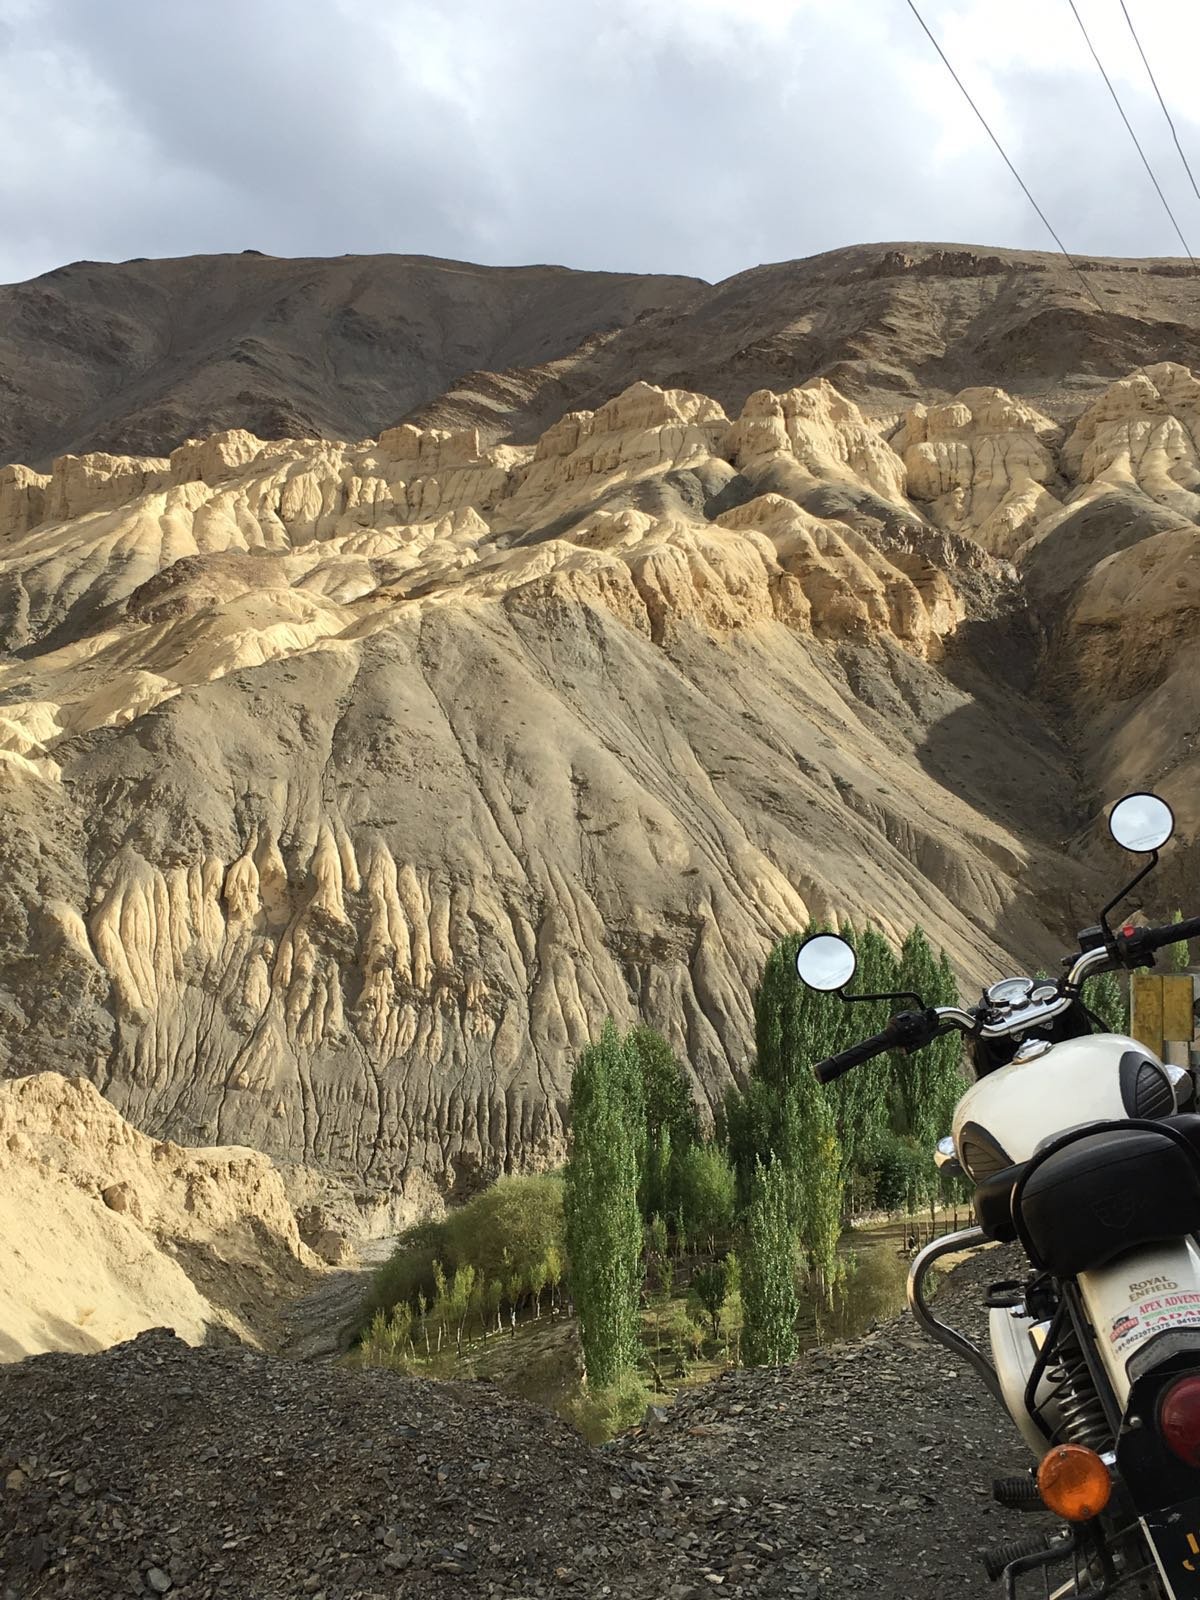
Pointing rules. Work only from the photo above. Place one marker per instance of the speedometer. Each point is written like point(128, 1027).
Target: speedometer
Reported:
point(1010, 992)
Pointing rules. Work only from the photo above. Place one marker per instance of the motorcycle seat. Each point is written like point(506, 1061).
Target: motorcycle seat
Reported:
point(1082, 1202)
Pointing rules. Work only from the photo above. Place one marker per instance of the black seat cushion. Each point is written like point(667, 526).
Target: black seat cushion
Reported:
point(1124, 1185)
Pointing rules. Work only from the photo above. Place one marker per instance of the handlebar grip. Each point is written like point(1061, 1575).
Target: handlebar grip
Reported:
point(1173, 933)
point(834, 1066)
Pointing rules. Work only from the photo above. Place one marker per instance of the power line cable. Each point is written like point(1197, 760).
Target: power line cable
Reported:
point(1045, 220)
point(1161, 101)
point(1132, 135)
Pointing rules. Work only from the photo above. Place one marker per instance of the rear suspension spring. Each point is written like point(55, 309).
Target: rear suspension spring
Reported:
point(1082, 1419)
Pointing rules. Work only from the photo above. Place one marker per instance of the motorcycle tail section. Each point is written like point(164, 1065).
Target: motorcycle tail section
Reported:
point(1136, 1301)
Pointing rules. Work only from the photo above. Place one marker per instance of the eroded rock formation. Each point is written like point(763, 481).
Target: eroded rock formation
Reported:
point(351, 785)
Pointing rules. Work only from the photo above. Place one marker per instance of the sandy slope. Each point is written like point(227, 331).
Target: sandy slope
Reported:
point(107, 1232)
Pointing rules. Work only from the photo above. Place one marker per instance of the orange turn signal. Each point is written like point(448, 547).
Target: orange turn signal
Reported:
point(1074, 1482)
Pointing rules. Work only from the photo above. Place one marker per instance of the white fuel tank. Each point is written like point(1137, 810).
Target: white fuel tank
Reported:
point(1077, 1081)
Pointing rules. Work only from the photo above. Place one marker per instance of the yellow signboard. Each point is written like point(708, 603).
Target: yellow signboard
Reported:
point(1160, 1010)
point(1146, 1010)
point(1178, 1022)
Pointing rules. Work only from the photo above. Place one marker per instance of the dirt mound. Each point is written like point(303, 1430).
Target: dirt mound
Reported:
point(156, 1468)
point(108, 1232)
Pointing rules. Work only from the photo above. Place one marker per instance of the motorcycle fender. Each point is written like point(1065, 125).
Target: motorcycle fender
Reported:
point(1143, 1294)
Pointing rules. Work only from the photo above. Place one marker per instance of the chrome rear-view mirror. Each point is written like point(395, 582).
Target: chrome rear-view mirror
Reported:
point(826, 962)
point(1141, 823)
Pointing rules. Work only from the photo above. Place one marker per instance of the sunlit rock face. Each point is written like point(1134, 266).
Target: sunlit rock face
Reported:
point(111, 1232)
point(982, 464)
point(351, 785)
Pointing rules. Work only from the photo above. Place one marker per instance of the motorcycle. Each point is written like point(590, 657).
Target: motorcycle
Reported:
point(1084, 1152)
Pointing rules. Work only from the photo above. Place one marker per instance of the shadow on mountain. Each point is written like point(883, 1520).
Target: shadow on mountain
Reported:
point(1007, 751)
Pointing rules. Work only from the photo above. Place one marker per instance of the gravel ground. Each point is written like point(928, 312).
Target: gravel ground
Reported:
point(866, 1469)
point(155, 1468)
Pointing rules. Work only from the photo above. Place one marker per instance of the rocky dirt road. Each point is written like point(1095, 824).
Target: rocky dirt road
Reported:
point(321, 1324)
point(155, 1468)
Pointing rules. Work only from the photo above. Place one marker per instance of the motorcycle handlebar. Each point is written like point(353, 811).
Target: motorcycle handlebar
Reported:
point(1173, 933)
point(910, 1030)
point(907, 1030)
point(1135, 947)
point(833, 1066)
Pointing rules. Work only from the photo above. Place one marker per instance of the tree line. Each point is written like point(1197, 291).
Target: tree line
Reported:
point(787, 1160)
point(751, 1207)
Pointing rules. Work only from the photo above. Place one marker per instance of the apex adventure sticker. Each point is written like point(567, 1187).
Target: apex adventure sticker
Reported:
point(1180, 1308)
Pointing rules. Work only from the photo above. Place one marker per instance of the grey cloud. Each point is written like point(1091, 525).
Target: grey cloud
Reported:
point(591, 134)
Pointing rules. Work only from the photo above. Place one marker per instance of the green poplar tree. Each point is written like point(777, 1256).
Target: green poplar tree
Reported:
point(603, 1224)
point(807, 1148)
point(748, 1127)
point(672, 1126)
point(861, 1098)
point(786, 1117)
point(944, 1083)
point(917, 972)
point(707, 1193)
point(772, 1001)
point(1105, 997)
point(767, 1270)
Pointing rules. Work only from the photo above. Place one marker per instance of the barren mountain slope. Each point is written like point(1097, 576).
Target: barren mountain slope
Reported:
point(108, 1233)
point(138, 355)
point(350, 786)
point(888, 324)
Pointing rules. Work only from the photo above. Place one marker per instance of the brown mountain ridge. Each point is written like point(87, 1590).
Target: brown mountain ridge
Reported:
point(134, 357)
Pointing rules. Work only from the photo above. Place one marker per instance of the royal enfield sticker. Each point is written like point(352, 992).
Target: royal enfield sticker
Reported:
point(1152, 1286)
point(1176, 1308)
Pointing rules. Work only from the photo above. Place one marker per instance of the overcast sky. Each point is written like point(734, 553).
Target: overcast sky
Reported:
point(690, 136)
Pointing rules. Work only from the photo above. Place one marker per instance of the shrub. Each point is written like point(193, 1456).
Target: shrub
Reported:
point(509, 1230)
point(512, 1233)
point(386, 1342)
point(601, 1411)
point(907, 1175)
point(710, 1285)
point(408, 1271)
